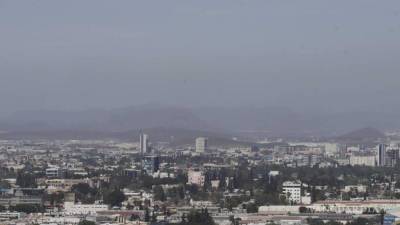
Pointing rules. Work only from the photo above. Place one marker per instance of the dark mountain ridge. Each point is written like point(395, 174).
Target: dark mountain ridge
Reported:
point(247, 122)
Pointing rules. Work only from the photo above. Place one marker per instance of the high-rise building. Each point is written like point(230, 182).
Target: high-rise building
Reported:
point(382, 155)
point(392, 157)
point(151, 164)
point(201, 144)
point(144, 143)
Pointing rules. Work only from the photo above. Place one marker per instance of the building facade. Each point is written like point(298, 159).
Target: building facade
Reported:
point(292, 191)
point(201, 144)
point(196, 178)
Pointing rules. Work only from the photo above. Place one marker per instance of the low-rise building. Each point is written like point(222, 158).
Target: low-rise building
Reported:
point(292, 191)
point(362, 160)
point(196, 178)
point(71, 208)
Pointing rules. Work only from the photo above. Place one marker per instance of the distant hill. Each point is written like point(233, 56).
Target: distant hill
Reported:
point(363, 134)
point(250, 122)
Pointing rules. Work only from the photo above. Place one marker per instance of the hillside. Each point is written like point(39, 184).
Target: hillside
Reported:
point(363, 135)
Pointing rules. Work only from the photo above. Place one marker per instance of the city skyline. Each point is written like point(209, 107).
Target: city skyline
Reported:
point(229, 112)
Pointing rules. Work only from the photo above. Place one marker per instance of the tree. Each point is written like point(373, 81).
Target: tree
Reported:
point(234, 221)
point(114, 198)
point(303, 209)
point(82, 188)
point(315, 222)
point(147, 215)
point(86, 222)
point(199, 218)
point(360, 221)
point(159, 193)
point(251, 208)
point(84, 193)
point(55, 198)
point(27, 208)
point(181, 192)
point(332, 222)
point(153, 217)
point(26, 180)
point(382, 215)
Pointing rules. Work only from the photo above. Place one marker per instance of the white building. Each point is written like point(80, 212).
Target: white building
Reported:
point(354, 207)
point(196, 177)
point(381, 155)
point(201, 144)
point(273, 173)
point(358, 188)
point(276, 209)
point(331, 149)
point(215, 184)
point(144, 143)
point(53, 172)
point(292, 190)
point(71, 208)
point(362, 160)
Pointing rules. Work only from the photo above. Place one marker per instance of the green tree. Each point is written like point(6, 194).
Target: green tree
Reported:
point(251, 208)
point(159, 193)
point(84, 193)
point(315, 222)
point(199, 218)
point(360, 221)
point(27, 208)
point(86, 222)
point(55, 198)
point(26, 180)
point(147, 215)
point(114, 198)
point(153, 217)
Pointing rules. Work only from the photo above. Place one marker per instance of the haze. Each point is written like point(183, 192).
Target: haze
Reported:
point(303, 55)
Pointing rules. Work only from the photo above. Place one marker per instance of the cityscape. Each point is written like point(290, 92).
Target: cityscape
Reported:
point(212, 112)
point(147, 182)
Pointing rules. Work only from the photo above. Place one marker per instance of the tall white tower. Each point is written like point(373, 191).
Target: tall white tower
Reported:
point(382, 155)
point(201, 144)
point(144, 143)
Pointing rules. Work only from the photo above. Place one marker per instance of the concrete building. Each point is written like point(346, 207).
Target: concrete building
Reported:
point(292, 191)
point(23, 200)
point(196, 178)
point(71, 208)
point(392, 157)
point(151, 164)
point(69, 197)
point(382, 155)
point(53, 172)
point(362, 160)
point(354, 207)
point(201, 144)
point(144, 143)
point(279, 209)
point(358, 188)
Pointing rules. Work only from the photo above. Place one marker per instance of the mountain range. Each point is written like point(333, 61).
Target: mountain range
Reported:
point(245, 122)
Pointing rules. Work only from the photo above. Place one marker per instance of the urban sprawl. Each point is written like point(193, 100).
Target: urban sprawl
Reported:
point(87, 182)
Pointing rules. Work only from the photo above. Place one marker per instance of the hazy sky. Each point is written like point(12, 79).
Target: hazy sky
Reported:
point(335, 55)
